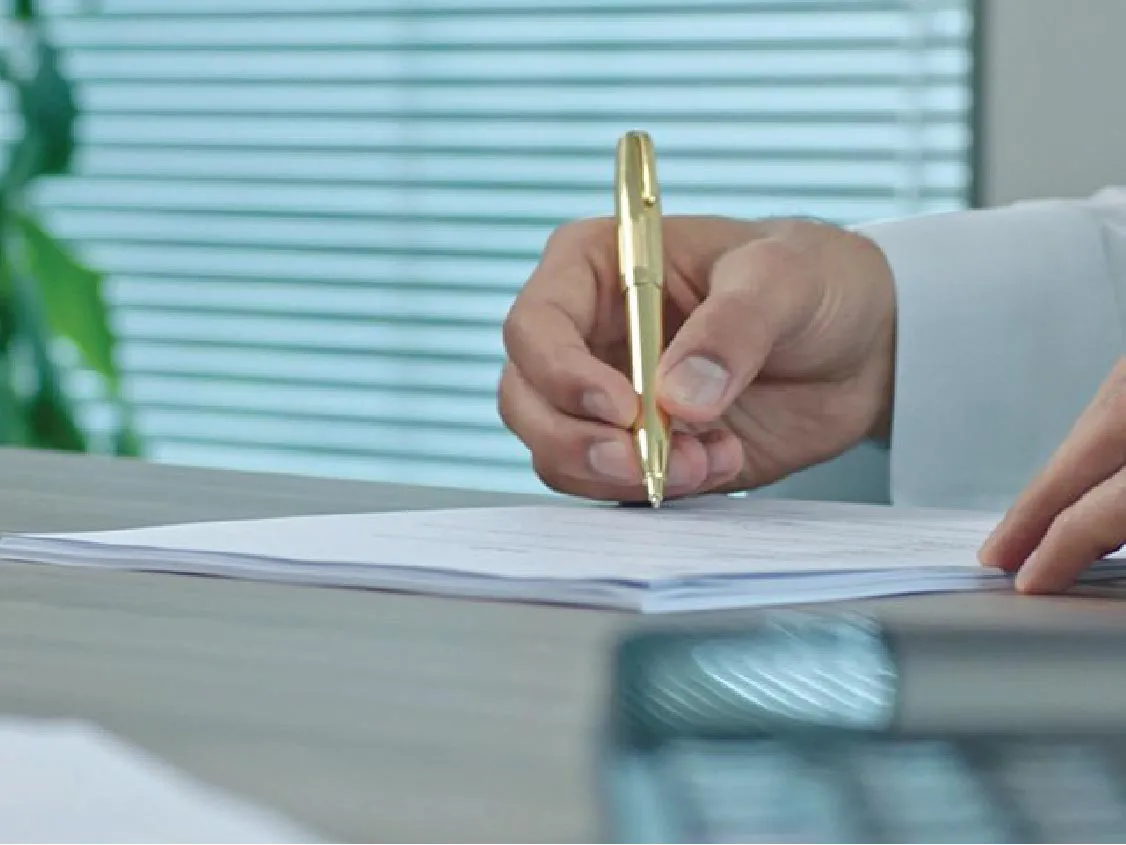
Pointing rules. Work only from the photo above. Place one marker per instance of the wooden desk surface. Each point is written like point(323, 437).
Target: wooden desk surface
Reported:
point(366, 716)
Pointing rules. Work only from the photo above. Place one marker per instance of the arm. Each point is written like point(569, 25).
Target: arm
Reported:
point(1007, 321)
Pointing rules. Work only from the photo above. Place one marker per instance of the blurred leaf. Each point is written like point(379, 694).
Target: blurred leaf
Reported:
point(47, 106)
point(127, 443)
point(13, 425)
point(71, 297)
point(7, 315)
point(52, 419)
point(24, 10)
point(50, 104)
point(44, 290)
point(49, 417)
point(24, 164)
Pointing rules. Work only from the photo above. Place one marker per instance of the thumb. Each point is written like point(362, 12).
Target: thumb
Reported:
point(758, 295)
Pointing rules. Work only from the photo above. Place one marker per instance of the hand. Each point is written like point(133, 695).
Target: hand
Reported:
point(780, 355)
point(1074, 511)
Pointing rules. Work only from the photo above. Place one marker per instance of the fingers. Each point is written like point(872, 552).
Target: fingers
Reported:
point(725, 460)
point(544, 343)
point(1074, 512)
point(1079, 536)
point(547, 330)
point(1093, 451)
point(756, 299)
point(595, 460)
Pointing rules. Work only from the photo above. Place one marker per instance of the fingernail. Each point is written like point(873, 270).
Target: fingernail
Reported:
point(597, 404)
point(985, 553)
point(613, 461)
point(724, 458)
point(1025, 580)
point(677, 474)
point(1031, 577)
point(696, 381)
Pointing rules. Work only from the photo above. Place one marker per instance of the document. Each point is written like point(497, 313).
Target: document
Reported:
point(68, 781)
point(703, 553)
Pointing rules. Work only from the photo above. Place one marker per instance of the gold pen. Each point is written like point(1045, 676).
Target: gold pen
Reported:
point(641, 272)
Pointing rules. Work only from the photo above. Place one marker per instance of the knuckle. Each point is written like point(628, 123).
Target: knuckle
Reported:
point(563, 383)
point(1101, 524)
point(1111, 395)
point(578, 233)
point(1118, 371)
point(564, 449)
point(741, 303)
point(1114, 401)
point(750, 272)
point(553, 373)
point(737, 320)
point(504, 398)
point(773, 256)
point(558, 452)
point(1074, 525)
point(547, 469)
point(565, 444)
point(549, 476)
point(512, 328)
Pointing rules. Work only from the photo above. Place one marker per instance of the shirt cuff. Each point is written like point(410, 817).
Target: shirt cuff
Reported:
point(1007, 321)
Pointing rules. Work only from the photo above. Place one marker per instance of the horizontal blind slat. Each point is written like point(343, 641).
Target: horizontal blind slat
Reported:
point(888, 135)
point(305, 404)
point(186, 375)
point(393, 468)
point(348, 305)
point(310, 65)
point(432, 442)
point(763, 103)
point(766, 30)
point(446, 9)
point(403, 337)
point(270, 362)
point(552, 210)
point(364, 170)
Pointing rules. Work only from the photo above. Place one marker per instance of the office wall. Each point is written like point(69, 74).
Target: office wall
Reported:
point(1053, 114)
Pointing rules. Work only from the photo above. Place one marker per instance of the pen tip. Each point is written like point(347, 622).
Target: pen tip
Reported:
point(652, 490)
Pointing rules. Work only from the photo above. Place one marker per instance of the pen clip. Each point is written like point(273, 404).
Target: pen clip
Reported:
point(638, 202)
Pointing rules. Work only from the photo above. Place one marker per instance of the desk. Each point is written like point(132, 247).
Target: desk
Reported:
point(367, 716)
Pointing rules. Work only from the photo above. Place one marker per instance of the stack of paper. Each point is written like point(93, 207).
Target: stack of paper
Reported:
point(713, 552)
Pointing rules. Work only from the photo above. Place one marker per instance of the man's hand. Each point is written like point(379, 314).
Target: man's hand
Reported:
point(1074, 512)
point(780, 355)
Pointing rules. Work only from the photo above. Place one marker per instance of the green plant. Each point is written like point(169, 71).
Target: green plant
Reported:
point(48, 298)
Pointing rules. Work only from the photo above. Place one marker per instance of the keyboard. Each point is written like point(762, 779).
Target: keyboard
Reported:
point(807, 728)
point(872, 789)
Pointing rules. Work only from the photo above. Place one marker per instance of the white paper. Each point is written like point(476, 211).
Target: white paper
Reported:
point(707, 552)
point(72, 782)
point(717, 535)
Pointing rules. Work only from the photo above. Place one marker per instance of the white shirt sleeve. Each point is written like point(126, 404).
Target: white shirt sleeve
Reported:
point(1008, 320)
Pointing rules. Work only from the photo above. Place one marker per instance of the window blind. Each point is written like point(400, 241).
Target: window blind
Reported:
point(314, 214)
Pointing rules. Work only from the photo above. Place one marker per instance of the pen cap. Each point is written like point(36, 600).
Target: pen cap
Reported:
point(638, 211)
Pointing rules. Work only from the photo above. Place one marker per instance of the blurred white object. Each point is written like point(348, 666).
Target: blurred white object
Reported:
point(67, 781)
